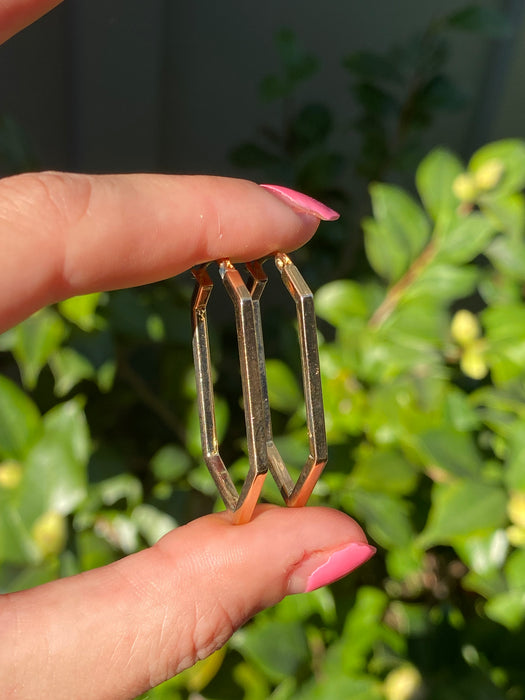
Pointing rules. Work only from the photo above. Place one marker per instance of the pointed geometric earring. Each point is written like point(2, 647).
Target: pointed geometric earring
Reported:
point(262, 452)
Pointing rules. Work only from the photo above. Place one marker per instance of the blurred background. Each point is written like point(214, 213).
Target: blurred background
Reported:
point(407, 117)
point(163, 86)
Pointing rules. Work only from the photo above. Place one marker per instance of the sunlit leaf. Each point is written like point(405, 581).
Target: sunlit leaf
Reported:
point(461, 508)
point(37, 338)
point(386, 517)
point(466, 240)
point(20, 421)
point(340, 301)
point(69, 368)
point(434, 178)
point(444, 283)
point(451, 450)
point(81, 310)
point(399, 232)
point(152, 523)
point(283, 390)
point(57, 463)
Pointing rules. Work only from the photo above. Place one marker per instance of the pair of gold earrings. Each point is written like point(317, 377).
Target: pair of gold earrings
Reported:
point(262, 453)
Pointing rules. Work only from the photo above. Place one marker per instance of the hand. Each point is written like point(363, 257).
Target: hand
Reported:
point(119, 630)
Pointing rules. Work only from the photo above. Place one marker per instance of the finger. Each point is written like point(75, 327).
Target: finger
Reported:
point(120, 630)
point(17, 14)
point(63, 235)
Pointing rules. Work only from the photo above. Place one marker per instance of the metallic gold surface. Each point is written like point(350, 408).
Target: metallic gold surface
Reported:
point(262, 452)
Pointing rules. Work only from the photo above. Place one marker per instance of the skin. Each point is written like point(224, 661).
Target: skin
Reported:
point(117, 631)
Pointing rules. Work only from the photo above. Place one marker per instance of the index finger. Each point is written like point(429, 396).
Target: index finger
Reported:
point(62, 234)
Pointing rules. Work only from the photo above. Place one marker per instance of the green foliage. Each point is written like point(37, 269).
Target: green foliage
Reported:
point(423, 363)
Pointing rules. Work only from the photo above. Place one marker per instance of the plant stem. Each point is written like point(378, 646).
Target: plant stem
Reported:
point(395, 293)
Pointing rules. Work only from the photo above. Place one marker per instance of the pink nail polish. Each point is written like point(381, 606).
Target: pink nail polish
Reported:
point(302, 202)
point(339, 564)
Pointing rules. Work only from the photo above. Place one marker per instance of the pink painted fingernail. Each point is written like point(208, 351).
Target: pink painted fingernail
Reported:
point(302, 202)
point(323, 568)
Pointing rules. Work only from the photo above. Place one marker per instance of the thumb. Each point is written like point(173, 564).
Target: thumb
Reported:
point(120, 630)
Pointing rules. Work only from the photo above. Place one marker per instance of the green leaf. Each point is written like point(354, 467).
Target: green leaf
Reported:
point(120, 487)
point(511, 154)
point(390, 267)
point(340, 301)
point(170, 463)
point(384, 470)
point(508, 214)
point(417, 323)
point(451, 450)
point(483, 554)
point(515, 570)
point(20, 422)
point(460, 412)
point(463, 508)
point(515, 460)
point(400, 231)
point(466, 240)
point(69, 368)
point(434, 178)
point(405, 562)
point(386, 517)
point(81, 311)
point(277, 648)
point(55, 474)
point(362, 631)
point(152, 523)
point(340, 686)
point(507, 608)
point(16, 544)
point(482, 20)
point(505, 332)
point(299, 608)
point(444, 283)
point(283, 390)
point(508, 256)
point(37, 338)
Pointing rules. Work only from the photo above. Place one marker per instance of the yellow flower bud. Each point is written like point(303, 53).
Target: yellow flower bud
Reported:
point(516, 535)
point(516, 509)
point(464, 187)
point(473, 363)
point(10, 474)
point(489, 174)
point(402, 683)
point(465, 327)
point(49, 533)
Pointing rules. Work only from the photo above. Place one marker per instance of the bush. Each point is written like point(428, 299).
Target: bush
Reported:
point(423, 364)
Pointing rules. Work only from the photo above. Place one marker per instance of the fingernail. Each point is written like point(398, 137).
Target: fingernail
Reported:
point(302, 202)
point(315, 573)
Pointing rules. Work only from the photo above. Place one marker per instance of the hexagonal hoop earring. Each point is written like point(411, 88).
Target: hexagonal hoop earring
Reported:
point(262, 452)
point(296, 495)
point(249, 335)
